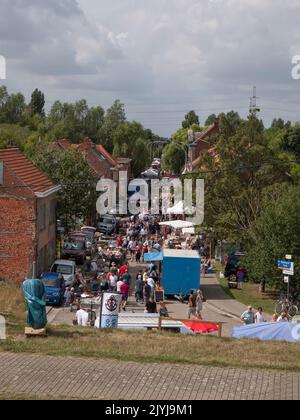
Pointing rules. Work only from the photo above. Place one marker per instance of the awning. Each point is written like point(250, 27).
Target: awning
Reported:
point(189, 231)
point(153, 256)
point(178, 224)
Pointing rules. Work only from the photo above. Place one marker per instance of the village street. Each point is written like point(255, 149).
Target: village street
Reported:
point(218, 308)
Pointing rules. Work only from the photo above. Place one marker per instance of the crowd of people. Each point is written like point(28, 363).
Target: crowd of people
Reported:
point(251, 317)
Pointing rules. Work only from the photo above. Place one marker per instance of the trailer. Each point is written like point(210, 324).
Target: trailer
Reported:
point(181, 271)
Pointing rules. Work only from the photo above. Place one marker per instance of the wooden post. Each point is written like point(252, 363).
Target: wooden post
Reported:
point(220, 329)
point(159, 323)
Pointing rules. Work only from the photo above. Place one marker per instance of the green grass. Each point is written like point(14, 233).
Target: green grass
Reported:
point(154, 347)
point(250, 294)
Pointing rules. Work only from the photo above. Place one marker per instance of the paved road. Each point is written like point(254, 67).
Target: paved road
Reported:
point(219, 307)
point(106, 379)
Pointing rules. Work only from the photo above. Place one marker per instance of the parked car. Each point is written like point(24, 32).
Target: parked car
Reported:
point(89, 232)
point(234, 261)
point(55, 288)
point(107, 224)
point(76, 250)
point(67, 269)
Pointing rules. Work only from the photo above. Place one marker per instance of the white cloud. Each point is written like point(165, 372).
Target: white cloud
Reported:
point(156, 55)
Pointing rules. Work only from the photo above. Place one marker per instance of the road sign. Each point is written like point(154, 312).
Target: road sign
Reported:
point(290, 271)
point(288, 257)
point(285, 265)
point(286, 279)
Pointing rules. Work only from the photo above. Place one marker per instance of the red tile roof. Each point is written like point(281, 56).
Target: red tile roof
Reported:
point(25, 170)
point(107, 155)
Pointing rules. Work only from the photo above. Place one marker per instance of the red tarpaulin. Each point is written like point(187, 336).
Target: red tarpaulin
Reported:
point(200, 328)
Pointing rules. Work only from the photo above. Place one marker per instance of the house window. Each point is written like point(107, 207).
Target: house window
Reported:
point(42, 217)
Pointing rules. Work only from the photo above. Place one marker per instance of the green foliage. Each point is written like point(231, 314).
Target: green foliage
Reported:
point(237, 175)
point(132, 140)
point(12, 107)
point(190, 119)
point(274, 234)
point(291, 141)
point(37, 103)
point(210, 120)
point(77, 197)
point(12, 135)
point(114, 117)
point(174, 158)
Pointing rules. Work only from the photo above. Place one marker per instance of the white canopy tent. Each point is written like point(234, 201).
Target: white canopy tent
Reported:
point(189, 231)
point(178, 224)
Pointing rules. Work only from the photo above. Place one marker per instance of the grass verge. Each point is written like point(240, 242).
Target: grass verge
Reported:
point(250, 294)
point(153, 347)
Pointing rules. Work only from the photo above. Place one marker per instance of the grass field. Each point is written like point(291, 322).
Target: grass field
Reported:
point(250, 294)
point(154, 347)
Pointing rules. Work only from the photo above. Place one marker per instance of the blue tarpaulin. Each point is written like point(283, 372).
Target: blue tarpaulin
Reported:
point(153, 256)
point(280, 331)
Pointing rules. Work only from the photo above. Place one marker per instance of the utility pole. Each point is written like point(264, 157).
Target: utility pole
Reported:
point(254, 109)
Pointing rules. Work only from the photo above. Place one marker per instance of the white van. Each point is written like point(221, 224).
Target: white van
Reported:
point(67, 269)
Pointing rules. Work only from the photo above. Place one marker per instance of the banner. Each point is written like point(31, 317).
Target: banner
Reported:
point(109, 316)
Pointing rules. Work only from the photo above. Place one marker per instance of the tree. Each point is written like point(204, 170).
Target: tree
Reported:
point(141, 156)
point(210, 120)
point(37, 103)
point(275, 233)
point(77, 198)
point(230, 122)
point(291, 141)
point(12, 135)
point(190, 119)
point(174, 158)
point(238, 172)
point(114, 117)
point(12, 107)
point(131, 139)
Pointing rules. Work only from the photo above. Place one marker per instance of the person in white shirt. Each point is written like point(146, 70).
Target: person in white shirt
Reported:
point(259, 316)
point(283, 318)
point(119, 284)
point(113, 282)
point(82, 318)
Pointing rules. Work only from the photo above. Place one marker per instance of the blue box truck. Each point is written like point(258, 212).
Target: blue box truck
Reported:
point(181, 271)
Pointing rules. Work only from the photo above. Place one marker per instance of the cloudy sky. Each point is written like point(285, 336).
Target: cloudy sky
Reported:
point(160, 57)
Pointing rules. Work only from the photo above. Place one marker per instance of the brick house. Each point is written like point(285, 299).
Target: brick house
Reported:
point(100, 161)
point(28, 217)
point(202, 143)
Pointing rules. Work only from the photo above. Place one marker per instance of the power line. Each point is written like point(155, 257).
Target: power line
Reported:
point(219, 171)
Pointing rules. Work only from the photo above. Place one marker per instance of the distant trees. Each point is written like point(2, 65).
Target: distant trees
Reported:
point(210, 120)
point(291, 141)
point(37, 104)
point(190, 119)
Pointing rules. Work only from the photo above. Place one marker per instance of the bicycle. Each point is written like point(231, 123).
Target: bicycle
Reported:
point(286, 304)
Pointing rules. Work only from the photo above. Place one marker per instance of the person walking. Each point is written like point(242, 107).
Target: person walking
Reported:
point(199, 305)
point(248, 316)
point(139, 285)
point(240, 277)
point(147, 292)
point(125, 293)
point(259, 316)
point(192, 305)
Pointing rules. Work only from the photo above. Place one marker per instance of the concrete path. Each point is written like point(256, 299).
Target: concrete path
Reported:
point(44, 376)
point(218, 308)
